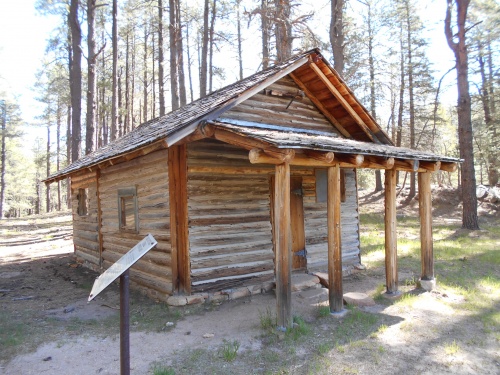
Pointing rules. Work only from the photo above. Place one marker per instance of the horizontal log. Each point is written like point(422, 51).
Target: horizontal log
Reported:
point(432, 166)
point(118, 165)
point(84, 254)
point(231, 260)
point(209, 274)
point(448, 166)
point(90, 245)
point(323, 156)
point(145, 266)
point(351, 159)
point(225, 283)
point(406, 165)
point(161, 284)
point(376, 162)
point(231, 171)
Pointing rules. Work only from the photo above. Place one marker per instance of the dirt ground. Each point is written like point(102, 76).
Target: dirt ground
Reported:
point(45, 291)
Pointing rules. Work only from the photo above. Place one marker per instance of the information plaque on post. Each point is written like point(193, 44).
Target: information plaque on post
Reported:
point(121, 269)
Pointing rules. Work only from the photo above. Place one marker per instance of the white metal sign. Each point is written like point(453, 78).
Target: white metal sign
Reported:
point(121, 265)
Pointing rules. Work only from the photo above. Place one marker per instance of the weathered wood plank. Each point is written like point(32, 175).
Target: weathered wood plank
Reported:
point(425, 209)
point(335, 290)
point(282, 244)
point(391, 257)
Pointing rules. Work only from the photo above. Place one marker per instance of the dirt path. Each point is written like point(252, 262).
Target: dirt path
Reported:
point(43, 292)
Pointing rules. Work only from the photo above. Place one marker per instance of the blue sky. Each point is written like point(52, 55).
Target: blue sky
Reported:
point(23, 37)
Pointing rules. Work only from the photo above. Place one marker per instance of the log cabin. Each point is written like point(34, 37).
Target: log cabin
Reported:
point(244, 187)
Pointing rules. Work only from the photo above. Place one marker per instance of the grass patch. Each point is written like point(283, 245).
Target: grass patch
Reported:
point(323, 311)
point(300, 328)
point(451, 348)
point(12, 333)
point(163, 371)
point(229, 350)
point(267, 319)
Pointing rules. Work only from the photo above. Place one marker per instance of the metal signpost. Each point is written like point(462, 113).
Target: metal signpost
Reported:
point(121, 269)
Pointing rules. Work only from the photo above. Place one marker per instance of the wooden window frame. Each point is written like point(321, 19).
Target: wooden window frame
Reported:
point(123, 194)
point(83, 201)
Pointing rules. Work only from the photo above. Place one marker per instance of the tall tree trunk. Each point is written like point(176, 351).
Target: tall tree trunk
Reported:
point(161, 60)
point(411, 93)
point(283, 29)
point(399, 131)
point(3, 119)
point(373, 105)
point(91, 83)
point(189, 63)
point(145, 75)
point(75, 81)
point(240, 52)
point(204, 53)
point(211, 46)
point(459, 48)
point(114, 98)
point(68, 155)
point(132, 88)
point(153, 83)
point(174, 82)
point(337, 35)
point(126, 110)
point(120, 96)
point(265, 33)
point(58, 151)
point(180, 56)
point(488, 119)
point(47, 163)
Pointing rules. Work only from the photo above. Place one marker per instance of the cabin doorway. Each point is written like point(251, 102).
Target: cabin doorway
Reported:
point(299, 253)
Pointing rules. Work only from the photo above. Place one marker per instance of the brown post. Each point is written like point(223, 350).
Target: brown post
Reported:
point(283, 261)
point(391, 255)
point(179, 238)
point(335, 291)
point(99, 217)
point(425, 208)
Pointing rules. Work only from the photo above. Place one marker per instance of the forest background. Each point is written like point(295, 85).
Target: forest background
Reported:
point(110, 66)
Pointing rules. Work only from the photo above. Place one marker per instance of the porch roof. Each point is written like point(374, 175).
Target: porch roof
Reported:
point(302, 139)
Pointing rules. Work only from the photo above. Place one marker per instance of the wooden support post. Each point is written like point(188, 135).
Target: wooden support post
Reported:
point(335, 291)
point(426, 246)
point(99, 216)
point(179, 239)
point(283, 257)
point(391, 256)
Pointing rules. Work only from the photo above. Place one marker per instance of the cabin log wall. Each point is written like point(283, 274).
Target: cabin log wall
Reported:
point(316, 223)
point(230, 231)
point(86, 228)
point(281, 110)
point(229, 226)
point(149, 173)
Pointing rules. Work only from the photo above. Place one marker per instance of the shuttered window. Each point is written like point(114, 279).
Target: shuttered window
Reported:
point(128, 217)
point(83, 202)
point(322, 188)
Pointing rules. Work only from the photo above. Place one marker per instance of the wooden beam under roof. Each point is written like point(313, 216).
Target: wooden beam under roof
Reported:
point(449, 166)
point(344, 102)
point(320, 106)
point(259, 156)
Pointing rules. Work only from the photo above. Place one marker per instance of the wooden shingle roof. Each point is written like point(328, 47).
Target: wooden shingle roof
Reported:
point(312, 74)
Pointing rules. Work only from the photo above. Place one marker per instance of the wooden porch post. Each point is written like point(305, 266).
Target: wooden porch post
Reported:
point(335, 291)
point(391, 256)
point(283, 261)
point(179, 238)
point(426, 245)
